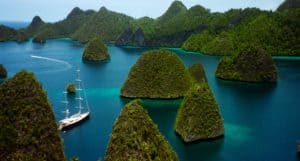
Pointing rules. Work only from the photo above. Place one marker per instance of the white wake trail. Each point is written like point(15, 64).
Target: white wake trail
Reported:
point(68, 65)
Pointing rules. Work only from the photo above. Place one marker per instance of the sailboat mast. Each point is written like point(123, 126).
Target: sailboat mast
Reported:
point(79, 89)
point(66, 105)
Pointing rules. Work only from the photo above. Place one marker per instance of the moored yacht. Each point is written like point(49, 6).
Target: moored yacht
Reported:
point(83, 112)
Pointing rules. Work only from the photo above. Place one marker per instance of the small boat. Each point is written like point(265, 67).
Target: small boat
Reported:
point(83, 112)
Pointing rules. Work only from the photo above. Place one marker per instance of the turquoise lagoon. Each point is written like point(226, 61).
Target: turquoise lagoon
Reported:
point(261, 120)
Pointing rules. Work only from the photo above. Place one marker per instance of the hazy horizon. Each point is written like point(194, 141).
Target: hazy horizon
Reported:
point(25, 10)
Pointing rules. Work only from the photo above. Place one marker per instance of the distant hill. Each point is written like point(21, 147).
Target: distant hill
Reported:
point(178, 26)
point(278, 33)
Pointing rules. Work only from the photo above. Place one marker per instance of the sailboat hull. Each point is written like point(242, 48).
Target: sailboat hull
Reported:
point(73, 120)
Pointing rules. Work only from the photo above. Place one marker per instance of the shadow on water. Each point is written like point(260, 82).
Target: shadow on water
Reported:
point(95, 63)
point(250, 90)
point(135, 50)
point(38, 46)
point(262, 88)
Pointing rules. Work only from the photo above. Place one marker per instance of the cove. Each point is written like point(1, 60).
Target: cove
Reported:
point(261, 120)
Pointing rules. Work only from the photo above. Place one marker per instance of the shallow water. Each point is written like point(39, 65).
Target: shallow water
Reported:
point(261, 120)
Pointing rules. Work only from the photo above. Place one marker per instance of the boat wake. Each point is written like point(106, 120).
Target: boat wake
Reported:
point(68, 65)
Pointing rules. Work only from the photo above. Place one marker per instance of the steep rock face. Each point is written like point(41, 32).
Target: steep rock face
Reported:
point(157, 74)
point(289, 4)
point(3, 72)
point(125, 38)
point(95, 51)
point(130, 38)
point(139, 37)
point(197, 72)
point(198, 117)
point(252, 65)
point(28, 129)
point(136, 137)
point(175, 39)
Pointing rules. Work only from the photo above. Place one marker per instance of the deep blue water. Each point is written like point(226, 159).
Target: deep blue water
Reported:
point(261, 120)
point(13, 24)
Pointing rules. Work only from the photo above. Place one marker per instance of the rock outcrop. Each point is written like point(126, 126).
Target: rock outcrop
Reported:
point(71, 88)
point(139, 37)
point(136, 137)
point(125, 38)
point(130, 38)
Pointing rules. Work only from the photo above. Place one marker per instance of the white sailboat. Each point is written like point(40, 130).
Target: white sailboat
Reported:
point(83, 112)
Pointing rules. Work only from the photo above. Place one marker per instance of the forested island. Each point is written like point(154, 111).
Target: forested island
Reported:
point(253, 64)
point(246, 38)
point(198, 117)
point(71, 88)
point(28, 128)
point(157, 74)
point(194, 29)
point(95, 51)
point(136, 137)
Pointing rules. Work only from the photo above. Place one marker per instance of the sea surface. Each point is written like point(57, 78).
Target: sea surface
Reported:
point(261, 120)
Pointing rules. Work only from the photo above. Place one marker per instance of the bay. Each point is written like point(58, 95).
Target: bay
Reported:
point(261, 120)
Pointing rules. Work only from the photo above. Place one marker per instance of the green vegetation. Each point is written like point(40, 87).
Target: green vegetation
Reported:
point(197, 72)
point(106, 24)
point(157, 74)
point(135, 137)
point(95, 50)
point(253, 64)
point(194, 29)
point(7, 33)
point(10, 34)
point(28, 129)
point(198, 117)
point(3, 72)
point(276, 32)
point(71, 88)
point(35, 26)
